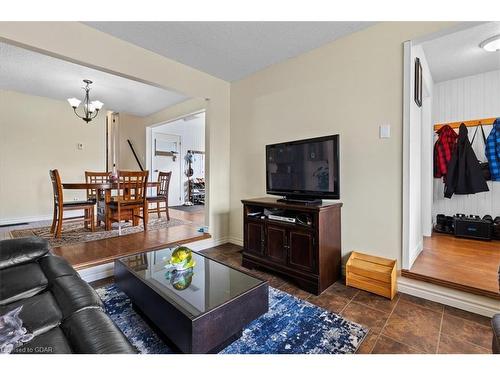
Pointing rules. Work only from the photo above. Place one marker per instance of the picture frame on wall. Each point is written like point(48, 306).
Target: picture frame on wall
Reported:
point(418, 82)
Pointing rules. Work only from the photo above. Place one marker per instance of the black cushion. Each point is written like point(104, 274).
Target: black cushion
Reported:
point(158, 198)
point(51, 342)
point(79, 203)
point(495, 324)
point(53, 297)
point(91, 331)
point(39, 314)
point(73, 294)
point(55, 266)
point(21, 282)
point(22, 250)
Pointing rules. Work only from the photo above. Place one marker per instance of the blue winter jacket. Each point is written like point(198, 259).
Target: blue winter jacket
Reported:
point(493, 150)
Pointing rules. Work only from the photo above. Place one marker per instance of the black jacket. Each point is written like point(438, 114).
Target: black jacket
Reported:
point(464, 174)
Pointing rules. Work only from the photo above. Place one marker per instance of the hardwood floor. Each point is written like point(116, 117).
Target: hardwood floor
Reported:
point(94, 253)
point(197, 217)
point(467, 265)
point(406, 324)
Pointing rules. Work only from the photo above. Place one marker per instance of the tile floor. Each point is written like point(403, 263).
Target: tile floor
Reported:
point(406, 324)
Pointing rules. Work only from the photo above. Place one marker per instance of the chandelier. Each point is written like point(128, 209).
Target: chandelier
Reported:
point(90, 108)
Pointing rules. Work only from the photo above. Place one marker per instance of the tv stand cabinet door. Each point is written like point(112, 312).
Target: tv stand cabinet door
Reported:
point(302, 252)
point(254, 238)
point(277, 245)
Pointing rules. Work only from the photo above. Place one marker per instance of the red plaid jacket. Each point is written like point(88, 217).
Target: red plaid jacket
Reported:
point(443, 148)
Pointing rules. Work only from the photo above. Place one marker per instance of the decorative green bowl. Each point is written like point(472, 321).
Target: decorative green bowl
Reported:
point(181, 259)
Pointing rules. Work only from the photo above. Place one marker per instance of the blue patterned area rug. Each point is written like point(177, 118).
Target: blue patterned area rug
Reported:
point(292, 326)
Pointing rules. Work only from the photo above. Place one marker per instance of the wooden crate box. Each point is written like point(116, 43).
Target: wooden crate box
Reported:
point(373, 274)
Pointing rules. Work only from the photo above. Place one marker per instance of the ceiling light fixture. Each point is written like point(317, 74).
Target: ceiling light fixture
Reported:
point(491, 44)
point(90, 109)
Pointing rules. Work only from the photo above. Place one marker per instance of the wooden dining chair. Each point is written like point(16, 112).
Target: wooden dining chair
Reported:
point(161, 194)
point(96, 178)
point(60, 206)
point(130, 199)
point(93, 178)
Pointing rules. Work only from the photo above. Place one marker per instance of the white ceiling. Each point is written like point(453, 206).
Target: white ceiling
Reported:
point(459, 55)
point(229, 50)
point(37, 74)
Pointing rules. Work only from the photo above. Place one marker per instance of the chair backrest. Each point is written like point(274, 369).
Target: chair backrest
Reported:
point(56, 187)
point(164, 183)
point(132, 185)
point(94, 178)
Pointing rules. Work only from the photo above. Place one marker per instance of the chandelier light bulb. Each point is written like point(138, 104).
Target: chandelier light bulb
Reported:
point(74, 102)
point(97, 104)
point(90, 108)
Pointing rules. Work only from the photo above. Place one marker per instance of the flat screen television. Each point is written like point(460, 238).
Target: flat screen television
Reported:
point(305, 170)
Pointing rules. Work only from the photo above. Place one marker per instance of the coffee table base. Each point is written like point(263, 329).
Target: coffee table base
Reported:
point(209, 332)
point(172, 345)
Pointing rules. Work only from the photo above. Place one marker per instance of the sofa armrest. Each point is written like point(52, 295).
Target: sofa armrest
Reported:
point(495, 324)
point(22, 250)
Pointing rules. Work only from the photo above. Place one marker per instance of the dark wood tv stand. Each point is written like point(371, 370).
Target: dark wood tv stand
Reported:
point(308, 254)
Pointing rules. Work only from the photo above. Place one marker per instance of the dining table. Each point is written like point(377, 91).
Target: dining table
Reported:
point(107, 187)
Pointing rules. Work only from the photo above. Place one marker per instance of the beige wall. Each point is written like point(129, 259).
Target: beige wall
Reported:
point(82, 44)
point(349, 87)
point(133, 128)
point(38, 134)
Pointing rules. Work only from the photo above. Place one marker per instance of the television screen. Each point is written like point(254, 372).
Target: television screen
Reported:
point(307, 168)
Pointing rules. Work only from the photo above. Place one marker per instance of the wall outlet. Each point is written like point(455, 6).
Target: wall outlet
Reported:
point(79, 146)
point(385, 131)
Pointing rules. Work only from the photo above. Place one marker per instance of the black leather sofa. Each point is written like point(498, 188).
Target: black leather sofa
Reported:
point(495, 324)
point(62, 311)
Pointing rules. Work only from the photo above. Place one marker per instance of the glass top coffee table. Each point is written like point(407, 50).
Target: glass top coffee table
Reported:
point(198, 310)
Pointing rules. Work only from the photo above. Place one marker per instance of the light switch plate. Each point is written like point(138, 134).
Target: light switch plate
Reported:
point(385, 131)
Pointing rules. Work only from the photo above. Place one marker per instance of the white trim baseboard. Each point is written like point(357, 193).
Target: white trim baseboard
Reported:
point(235, 240)
point(414, 254)
point(455, 298)
point(99, 272)
point(32, 219)
point(103, 271)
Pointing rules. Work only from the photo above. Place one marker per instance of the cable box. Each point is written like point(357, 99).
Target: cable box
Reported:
point(286, 219)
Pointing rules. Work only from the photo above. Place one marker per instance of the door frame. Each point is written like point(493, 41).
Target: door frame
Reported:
point(149, 142)
point(407, 94)
point(151, 156)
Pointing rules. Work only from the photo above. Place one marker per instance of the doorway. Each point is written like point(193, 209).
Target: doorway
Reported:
point(460, 90)
point(179, 146)
point(166, 157)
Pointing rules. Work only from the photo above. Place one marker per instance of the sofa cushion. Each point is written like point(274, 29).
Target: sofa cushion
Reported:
point(73, 294)
point(21, 250)
point(50, 342)
point(54, 266)
point(19, 282)
point(91, 331)
point(39, 314)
